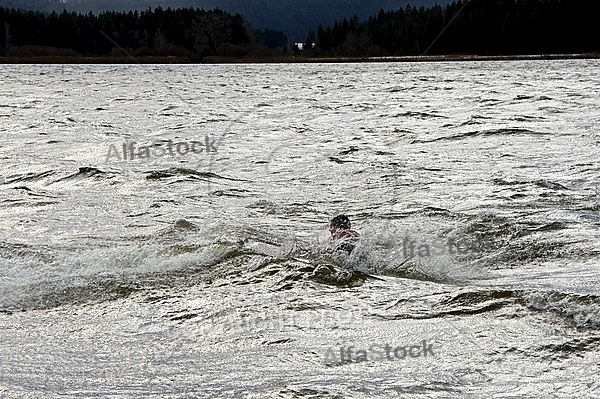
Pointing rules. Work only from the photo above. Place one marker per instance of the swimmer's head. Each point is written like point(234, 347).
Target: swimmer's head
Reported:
point(340, 222)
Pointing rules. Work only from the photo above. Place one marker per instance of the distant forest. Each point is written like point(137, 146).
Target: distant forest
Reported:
point(183, 32)
point(294, 17)
point(483, 27)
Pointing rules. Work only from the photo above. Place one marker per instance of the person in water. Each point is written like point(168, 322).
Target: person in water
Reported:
point(341, 230)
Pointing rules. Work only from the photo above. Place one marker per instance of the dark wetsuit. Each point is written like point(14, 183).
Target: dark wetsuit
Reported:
point(347, 239)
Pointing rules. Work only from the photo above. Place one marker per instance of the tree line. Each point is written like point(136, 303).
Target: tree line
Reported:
point(182, 32)
point(482, 27)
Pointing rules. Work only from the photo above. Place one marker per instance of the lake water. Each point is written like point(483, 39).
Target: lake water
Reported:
point(164, 230)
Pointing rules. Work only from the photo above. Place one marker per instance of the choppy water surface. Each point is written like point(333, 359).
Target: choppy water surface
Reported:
point(210, 274)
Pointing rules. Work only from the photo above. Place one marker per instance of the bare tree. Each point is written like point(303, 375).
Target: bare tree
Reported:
point(212, 31)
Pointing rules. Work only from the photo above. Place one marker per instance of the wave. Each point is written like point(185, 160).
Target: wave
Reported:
point(443, 246)
point(87, 172)
point(522, 97)
point(175, 268)
point(30, 197)
point(484, 133)
point(421, 115)
point(183, 255)
point(580, 311)
point(543, 183)
point(42, 278)
point(28, 176)
point(100, 274)
point(186, 173)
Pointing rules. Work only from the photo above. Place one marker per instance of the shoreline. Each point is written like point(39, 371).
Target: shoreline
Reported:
point(51, 59)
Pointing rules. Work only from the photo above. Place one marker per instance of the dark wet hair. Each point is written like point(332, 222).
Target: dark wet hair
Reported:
point(340, 222)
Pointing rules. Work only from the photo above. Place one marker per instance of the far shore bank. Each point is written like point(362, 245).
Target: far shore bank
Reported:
point(51, 59)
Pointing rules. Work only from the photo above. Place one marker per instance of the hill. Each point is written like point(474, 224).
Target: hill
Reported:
point(294, 17)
